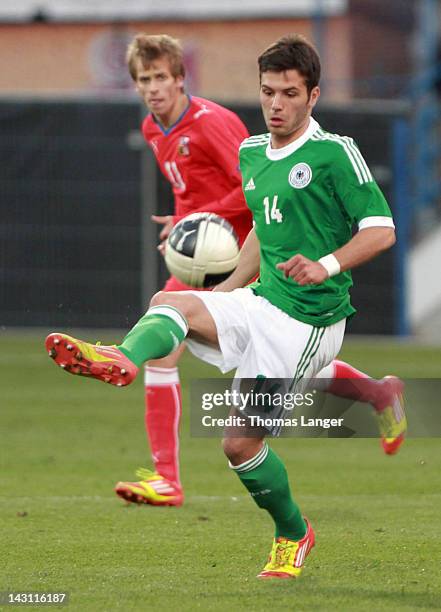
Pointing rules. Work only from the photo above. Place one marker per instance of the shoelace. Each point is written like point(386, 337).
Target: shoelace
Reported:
point(145, 473)
point(389, 425)
point(283, 552)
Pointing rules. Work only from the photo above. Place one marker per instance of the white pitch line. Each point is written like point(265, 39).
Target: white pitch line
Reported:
point(100, 498)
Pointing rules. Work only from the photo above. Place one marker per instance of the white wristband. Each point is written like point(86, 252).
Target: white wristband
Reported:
point(331, 265)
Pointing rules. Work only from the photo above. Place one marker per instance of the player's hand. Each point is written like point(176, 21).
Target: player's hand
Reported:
point(167, 222)
point(161, 247)
point(303, 270)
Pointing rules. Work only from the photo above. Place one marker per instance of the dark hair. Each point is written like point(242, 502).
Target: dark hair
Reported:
point(292, 52)
point(150, 48)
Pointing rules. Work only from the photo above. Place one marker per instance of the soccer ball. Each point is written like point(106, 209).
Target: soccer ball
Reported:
point(202, 250)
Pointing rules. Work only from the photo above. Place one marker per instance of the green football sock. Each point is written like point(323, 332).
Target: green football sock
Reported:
point(266, 479)
point(157, 334)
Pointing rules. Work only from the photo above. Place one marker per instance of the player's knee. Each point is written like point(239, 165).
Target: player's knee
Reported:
point(234, 449)
point(230, 449)
point(158, 299)
point(187, 305)
point(239, 450)
point(166, 298)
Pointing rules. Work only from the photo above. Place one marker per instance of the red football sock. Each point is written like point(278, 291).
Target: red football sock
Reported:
point(350, 383)
point(162, 417)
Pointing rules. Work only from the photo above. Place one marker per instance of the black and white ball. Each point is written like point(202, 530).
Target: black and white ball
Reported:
point(202, 250)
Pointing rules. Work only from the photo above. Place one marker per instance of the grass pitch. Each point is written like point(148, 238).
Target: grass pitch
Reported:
point(66, 441)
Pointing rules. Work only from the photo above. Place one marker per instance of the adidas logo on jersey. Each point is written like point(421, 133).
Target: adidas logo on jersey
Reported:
point(250, 185)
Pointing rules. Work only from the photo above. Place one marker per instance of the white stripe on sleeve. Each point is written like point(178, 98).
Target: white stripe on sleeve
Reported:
point(375, 222)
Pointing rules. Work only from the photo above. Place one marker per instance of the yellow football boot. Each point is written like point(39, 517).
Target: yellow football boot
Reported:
point(287, 556)
point(152, 489)
point(105, 363)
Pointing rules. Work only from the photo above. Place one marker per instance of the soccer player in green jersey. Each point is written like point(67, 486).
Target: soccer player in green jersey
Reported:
point(306, 188)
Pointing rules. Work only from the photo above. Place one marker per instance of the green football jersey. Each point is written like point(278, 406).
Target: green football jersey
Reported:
point(305, 198)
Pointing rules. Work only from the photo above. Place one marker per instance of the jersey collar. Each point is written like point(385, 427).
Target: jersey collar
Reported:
point(289, 149)
point(166, 131)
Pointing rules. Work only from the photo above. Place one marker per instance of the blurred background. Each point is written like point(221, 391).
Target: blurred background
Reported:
point(78, 184)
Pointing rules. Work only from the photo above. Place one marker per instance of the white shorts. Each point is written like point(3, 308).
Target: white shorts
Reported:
point(259, 339)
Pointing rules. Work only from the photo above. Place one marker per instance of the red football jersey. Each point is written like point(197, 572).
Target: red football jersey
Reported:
point(199, 156)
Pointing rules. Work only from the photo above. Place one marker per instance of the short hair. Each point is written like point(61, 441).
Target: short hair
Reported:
point(149, 48)
point(292, 52)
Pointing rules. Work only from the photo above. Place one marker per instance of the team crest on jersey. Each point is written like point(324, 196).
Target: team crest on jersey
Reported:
point(184, 145)
point(300, 176)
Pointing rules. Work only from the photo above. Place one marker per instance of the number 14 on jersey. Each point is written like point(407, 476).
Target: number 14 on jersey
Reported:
point(272, 213)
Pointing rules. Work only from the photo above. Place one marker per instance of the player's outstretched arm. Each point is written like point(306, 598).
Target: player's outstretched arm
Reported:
point(248, 266)
point(364, 246)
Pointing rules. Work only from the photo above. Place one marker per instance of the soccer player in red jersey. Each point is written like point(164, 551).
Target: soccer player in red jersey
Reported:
point(196, 144)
